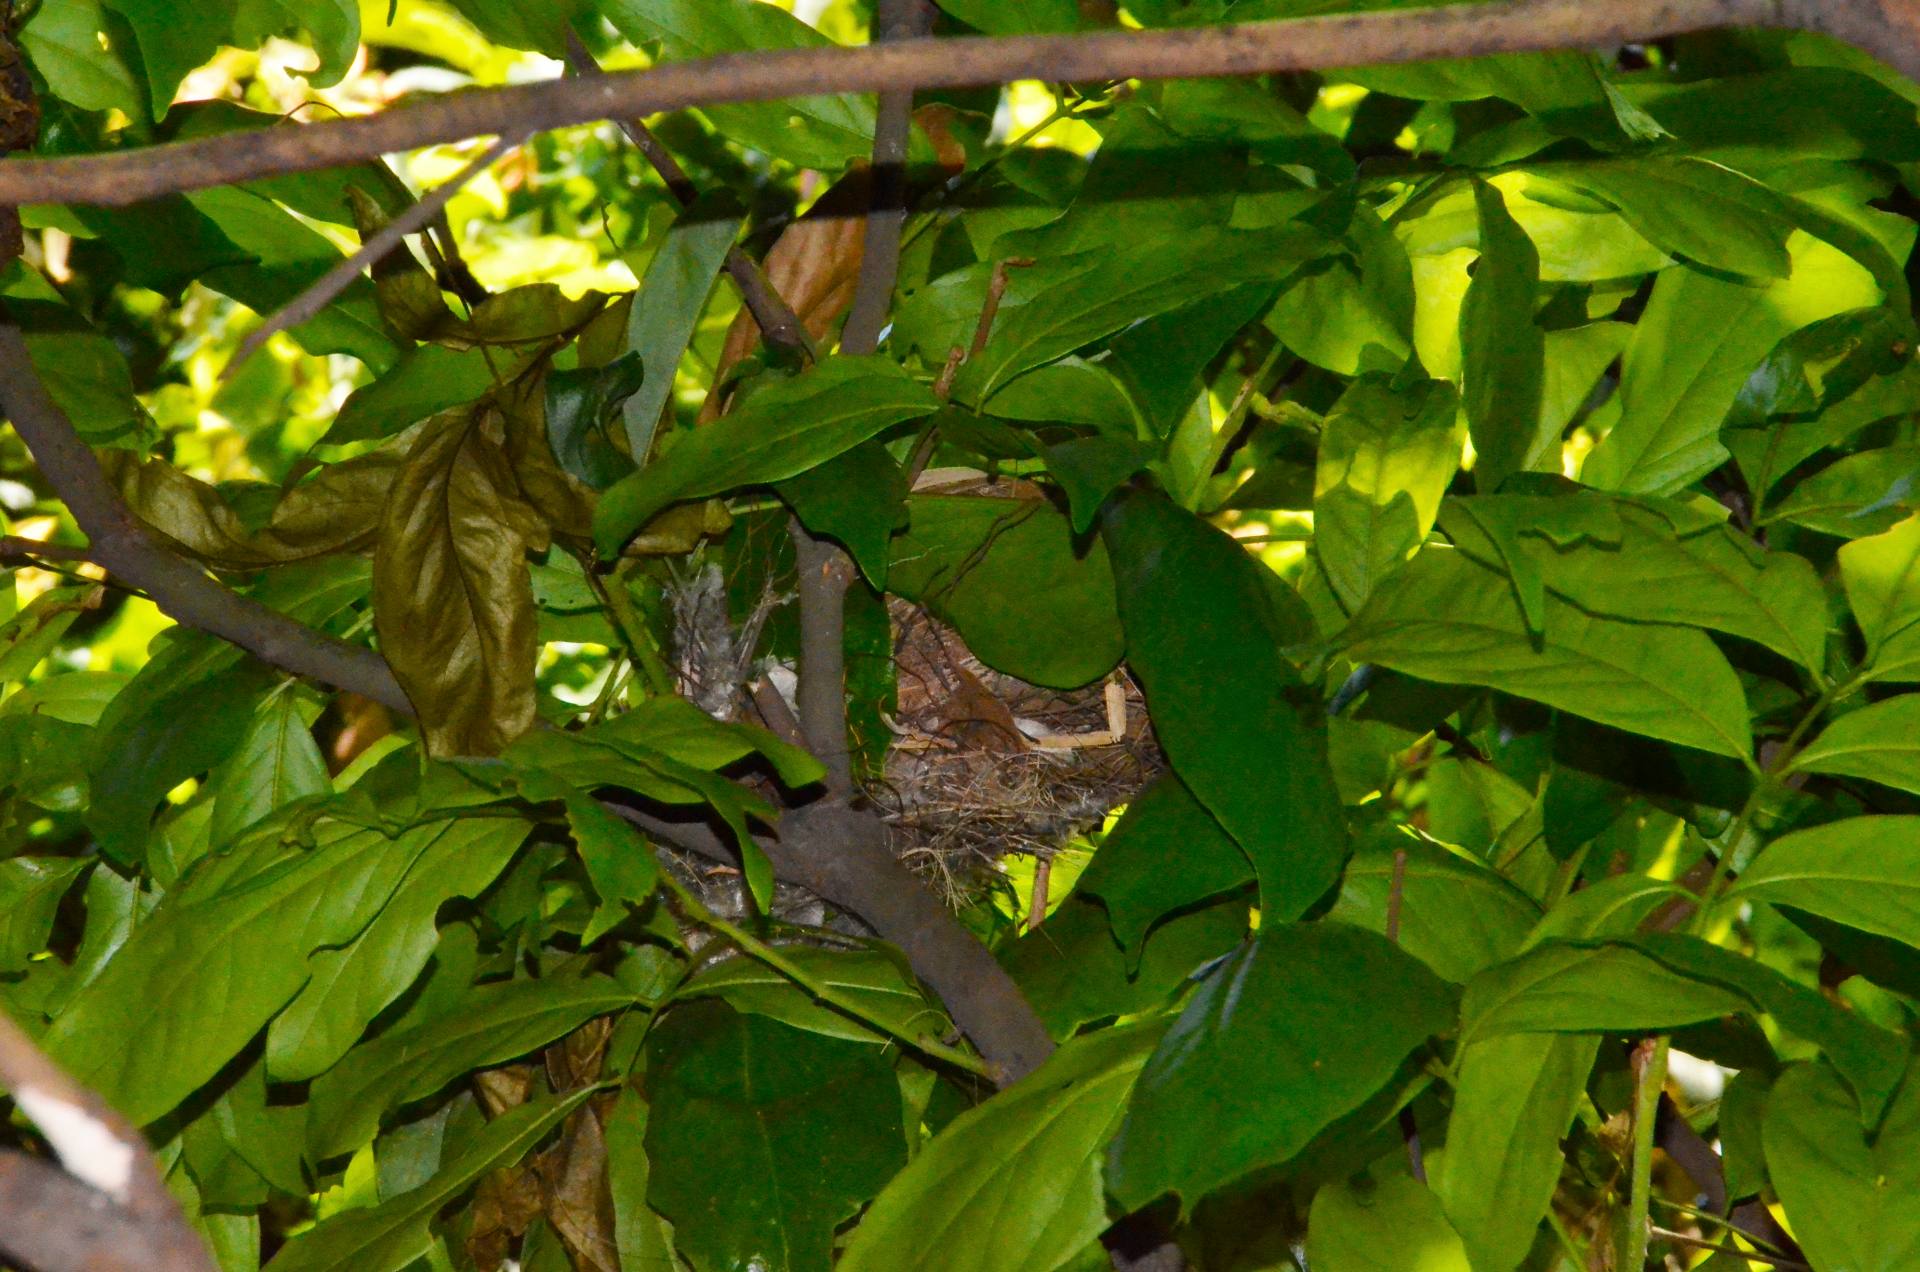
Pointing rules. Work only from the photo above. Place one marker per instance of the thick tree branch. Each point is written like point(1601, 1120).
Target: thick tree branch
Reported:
point(127, 550)
point(109, 1208)
point(1889, 29)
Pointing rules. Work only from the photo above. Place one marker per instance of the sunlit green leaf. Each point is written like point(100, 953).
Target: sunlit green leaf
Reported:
point(1852, 1203)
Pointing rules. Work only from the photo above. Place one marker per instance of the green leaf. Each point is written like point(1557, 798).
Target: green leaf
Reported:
point(1456, 915)
point(1858, 871)
point(781, 432)
point(1028, 598)
point(645, 1240)
point(1882, 578)
point(276, 763)
point(809, 132)
point(1446, 618)
point(1016, 17)
point(540, 25)
point(1585, 987)
point(1090, 469)
point(490, 1025)
point(1692, 352)
point(1852, 1204)
point(620, 864)
point(352, 985)
point(396, 1233)
point(166, 243)
point(1165, 854)
point(1864, 494)
point(220, 955)
point(1386, 457)
point(1297, 1028)
point(332, 28)
point(872, 978)
point(174, 40)
point(1503, 350)
point(812, 1122)
point(31, 889)
point(1074, 973)
point(452, 599)
point(1514, 1098)
point(85, 372)
point(680, 731)
point(672, 293)
point(1694, 208)
point(1016, 1182)
point(426, 380)
point(1095, 293)
point(1389, 1222)
point(579, 412)
point(855, 499)
point(1225, 704)
point(84, 59)
point(1645, 560)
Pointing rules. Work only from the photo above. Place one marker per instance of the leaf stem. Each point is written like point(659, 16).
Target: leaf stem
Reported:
point(632, 628)
point(1650, 1064)
point(772, 957)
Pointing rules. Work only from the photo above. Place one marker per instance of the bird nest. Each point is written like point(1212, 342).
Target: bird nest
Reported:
point(984, 764)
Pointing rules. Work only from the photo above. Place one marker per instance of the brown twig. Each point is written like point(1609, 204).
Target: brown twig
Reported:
point(778, 324)
point(323, 290)
point(14, 548)
point(1890, 29)
point(126, 549)
point(109, 1208)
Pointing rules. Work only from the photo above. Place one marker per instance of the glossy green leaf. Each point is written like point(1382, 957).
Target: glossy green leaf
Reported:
point(1503, 350)
point(1882, 577)
point(222, 954)
point(1864, 494)
point(856, 499)
point(1165, 854)
point(1513, 1101)
point(1455, 915)
point(451, 596)
point(813, 1122)
point(1646, 560)
point(1297, 1028)
point(491, 1025)
point(1858, 871)
point(1389, 1222)
point(1446, 618)
point(1074, 973)
point(1095, 293)
point(1693, 208)
point(781, 432)
point(873, 979)
point(276, 763)
point(1583, 987)
point(1090, 469)
point(1036, 603)
point(31, 889)
point(352, 985)
point(672, 293)
point(427, 380)
point(63, 38)
point(619, 862)
point(1016, 1182)
point(1386, 457)
point(644, 1239)
point(1226, 707)
point(1852, 1203)
point(810, 132)
point(397, 1232)
point(1693, 349)
point(579, 412)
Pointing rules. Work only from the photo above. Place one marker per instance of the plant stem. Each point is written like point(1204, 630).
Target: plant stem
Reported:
point(632, 628)
point(772, 957)
point(1650, 1064)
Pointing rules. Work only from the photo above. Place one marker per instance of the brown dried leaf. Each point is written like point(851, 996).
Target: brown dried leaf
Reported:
point(814, 265)
point(409, 298)
point(565, 501)
point(452, 597)
point(578, 1202)
point(337, 509)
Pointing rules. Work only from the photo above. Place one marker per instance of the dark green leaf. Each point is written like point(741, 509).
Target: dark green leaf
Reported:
point(428, 379)
point(1455, 915)
point(781, 432)
point(875, 979)
point(1504, 351)
point(580, 410)
point(1224, 703)
point(1852, 1204)
point(1298, 1028)
point(1859, 495)
point(1090, 469)
point(1858, 871)
point(31, 889)
point(855, 499)
point(813, 1122)
point(1167, 853)
point(672, 293)
point(276, 763)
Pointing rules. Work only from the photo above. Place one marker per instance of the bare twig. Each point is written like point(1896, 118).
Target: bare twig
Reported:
point(14, 548)
point(1889, 29)
point(128, 550)
point(109, 1209)
point(778, 324)
point(322, 291)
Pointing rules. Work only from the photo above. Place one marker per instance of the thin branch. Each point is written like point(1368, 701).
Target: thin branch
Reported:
point(109, 1208)
point(128, 550)
point(323, 290)
point(1889, 29)
point(778, 324)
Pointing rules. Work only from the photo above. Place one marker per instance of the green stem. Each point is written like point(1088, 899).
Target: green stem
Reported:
point(772, 957)
point(1646, 1110)
point(633, 629)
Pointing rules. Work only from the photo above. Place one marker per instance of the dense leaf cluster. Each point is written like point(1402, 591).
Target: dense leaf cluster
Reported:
point(1498, 476)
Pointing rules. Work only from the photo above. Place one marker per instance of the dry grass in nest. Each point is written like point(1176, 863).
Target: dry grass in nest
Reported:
point(984, 764)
